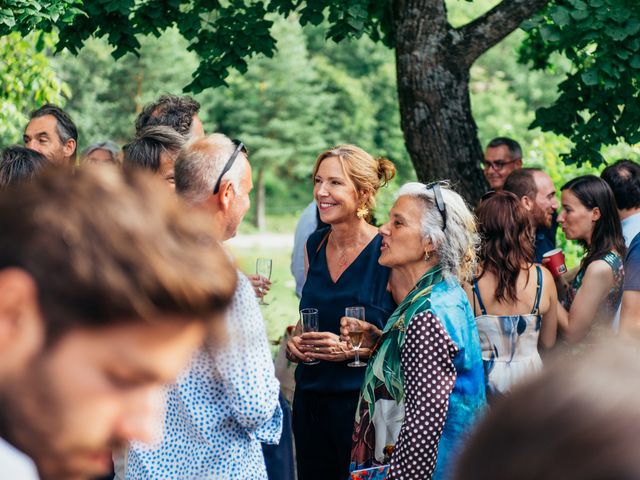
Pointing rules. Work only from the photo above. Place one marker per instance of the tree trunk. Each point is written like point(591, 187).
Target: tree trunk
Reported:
point(440, 133)
point(260, 221)
point(433, 61)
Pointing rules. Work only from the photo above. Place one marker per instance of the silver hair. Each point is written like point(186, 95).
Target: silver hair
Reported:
point(200, 163)
point(107, 146)
point(457, 245)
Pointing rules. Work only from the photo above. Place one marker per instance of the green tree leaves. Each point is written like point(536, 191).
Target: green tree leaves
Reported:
point(598, 103)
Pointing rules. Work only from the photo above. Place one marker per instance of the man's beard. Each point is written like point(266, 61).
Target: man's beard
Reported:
point(30, 416)
point(541, 218)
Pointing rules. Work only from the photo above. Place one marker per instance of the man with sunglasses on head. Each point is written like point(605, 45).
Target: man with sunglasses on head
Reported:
point(502, 156)
point(226, 403)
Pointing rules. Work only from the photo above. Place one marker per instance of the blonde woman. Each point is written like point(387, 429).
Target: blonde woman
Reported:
point(342, 271)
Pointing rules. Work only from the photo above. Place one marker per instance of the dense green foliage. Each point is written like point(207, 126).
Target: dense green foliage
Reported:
point(27, 80)
point(599, 101)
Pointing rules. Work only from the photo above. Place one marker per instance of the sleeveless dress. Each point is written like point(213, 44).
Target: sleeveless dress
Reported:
point(509, 344)
point(603, 320)
point(326, 394)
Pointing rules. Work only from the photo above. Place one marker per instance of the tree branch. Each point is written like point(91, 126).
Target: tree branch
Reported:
point(479, 35)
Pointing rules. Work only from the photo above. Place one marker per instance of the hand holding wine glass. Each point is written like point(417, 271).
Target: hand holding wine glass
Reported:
point(356, 333)
point(263, 268)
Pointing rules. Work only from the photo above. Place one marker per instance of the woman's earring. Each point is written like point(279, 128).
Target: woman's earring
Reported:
point(362, 211)
point(427, 256)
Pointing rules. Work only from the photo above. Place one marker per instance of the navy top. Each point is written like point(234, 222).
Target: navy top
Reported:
point(363, 283)
point(546, 238)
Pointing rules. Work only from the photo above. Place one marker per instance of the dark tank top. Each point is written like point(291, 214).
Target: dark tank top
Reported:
point(363, 283)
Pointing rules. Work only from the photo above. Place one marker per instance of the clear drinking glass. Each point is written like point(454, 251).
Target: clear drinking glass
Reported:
point(263, 267)
point(309, 321)
point(356, 334)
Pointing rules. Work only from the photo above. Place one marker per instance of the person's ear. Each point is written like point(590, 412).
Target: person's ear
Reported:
point(527, 203)
point(69, 147)
point(427, 246)
point(21, 325)
point(595, 214)
point(518, 163)
point(226, 195)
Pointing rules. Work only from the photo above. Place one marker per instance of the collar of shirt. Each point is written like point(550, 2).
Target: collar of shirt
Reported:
point(630, 228)
point(16, 464)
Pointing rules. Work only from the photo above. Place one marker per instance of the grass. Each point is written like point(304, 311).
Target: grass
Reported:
point(283, 303)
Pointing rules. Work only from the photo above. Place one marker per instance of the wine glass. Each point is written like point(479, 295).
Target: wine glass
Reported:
point(309, 320)
point(356, 334)
point(263, 267)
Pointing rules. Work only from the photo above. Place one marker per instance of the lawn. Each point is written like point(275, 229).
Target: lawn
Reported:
point(283, 303)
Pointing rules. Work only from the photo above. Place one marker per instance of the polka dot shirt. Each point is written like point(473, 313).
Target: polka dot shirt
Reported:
point(220, 409)
point(429, 378)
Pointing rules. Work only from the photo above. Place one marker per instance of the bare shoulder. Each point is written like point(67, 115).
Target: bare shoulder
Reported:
point(598, 270)
point(548, 282)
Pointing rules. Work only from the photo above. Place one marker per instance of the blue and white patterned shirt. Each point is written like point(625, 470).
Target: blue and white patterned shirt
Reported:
point(220, 408)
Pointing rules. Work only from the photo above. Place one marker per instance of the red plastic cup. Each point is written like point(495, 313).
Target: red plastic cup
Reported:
point(554, 261)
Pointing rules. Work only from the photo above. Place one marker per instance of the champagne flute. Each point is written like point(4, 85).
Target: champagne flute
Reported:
point(309, 320)
point(263, 267)
point(356, 334)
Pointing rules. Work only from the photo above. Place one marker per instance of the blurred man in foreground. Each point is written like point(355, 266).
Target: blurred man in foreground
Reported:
point(108, 286)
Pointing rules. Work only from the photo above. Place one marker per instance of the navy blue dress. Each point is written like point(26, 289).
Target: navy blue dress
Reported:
point(327, 393)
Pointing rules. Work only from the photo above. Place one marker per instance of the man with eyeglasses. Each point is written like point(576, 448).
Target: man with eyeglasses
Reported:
point(226, 403)
point(503, 156)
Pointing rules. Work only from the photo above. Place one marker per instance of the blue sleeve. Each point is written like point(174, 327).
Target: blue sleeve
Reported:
point(632, 266)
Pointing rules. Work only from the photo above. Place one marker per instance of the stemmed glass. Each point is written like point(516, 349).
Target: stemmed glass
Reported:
point(309, 321)
point(263, 267)
point(356, 334)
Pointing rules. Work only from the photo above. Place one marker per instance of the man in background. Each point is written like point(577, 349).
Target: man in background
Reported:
point(502, 156)
point(624, 179)
point(108, 286)
point(51, 132)
point(179, 113)
point(537, 193)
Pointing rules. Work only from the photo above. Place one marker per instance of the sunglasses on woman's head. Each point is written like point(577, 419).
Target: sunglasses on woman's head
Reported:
point(437, 193)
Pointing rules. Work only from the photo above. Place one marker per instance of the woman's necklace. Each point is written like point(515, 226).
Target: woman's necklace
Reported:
point(344, 254)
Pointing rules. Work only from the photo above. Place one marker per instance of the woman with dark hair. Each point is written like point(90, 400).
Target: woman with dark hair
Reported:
point(514, 300)
point(589, 215)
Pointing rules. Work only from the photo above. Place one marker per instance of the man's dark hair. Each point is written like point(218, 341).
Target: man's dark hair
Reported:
point(522, 183)
point(624, 179)
point(65, 127)
point(515, 151)
point(171, 111)
point(19, 164)
point(145, 150)
point(105, 246)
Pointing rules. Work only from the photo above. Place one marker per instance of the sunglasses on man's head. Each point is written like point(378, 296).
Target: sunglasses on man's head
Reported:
point(239, 148)
point(437, 193)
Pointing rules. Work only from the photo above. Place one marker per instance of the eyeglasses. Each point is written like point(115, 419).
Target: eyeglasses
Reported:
point(497, 165)
point(239, 148)
point(437, 193)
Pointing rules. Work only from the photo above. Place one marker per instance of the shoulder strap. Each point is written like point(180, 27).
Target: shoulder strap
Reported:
point(315, 242)
point(536, 303)
point(476, 290)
